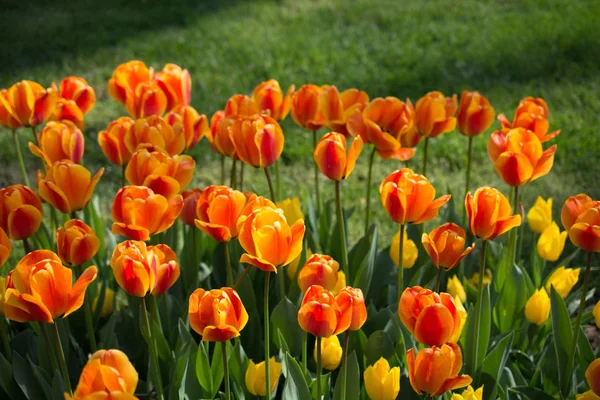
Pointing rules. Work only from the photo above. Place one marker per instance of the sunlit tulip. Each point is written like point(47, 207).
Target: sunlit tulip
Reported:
point(409, 198)
point(5, 247)
point(254, 202)
point(539, 217)
point(256, 382)
point(217, 315)
point(537, 308)
point(469, 394)
point(157, 132)
point(139, 212)
point(217, 211)
point(3, 282)
point(270, 100)
point(107, 304)
point(239, 106)
point(331, 353)
point(333, 158)
point(475, 114)
point(341, 283)
point(337, 107)
point(410, 252)
point(291, 209)
point(190, 204)
point(108, 374)
point(76, 242)
point(112, 141)
point(67, 110)
point(7, 120)
point(381, 382)
point(134, 267)
point(563, 279)
point(532, 114)
point(431, 317)
point(68, 187)
point(435, 114)
point(258, 140)
point(126, 78)
point(489, 213)
point(27, 295)
point(221, 140)
point(306, 109)
point(456, 289)
point(320, 315)
point(214, 121)
point(21, 212)
point(165, 175)
point(148, 99)
point(59, 141)
point(446, 361)
point(194, 125)
point(462, 312)
point(352, 303)
point(596, 313)
point(551, 243)
point(446, 245)
point(487, 278)
point(592, 375)
point(29, 103)
point(176, 84)
point(518, 156)
point(388, 124)
point(319, 270)
point(581, 218)
point(78, 90)
point(167, 268)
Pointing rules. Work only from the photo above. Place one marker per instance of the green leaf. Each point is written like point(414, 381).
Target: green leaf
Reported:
point(164, 350)
point(216, 366)
point(324, 386)
point(379, 345)
point(295, 386)
point(352, 378)
point(284, 319)
point(561, 327)
point(485, 326)
point(203, 372)
point(23, 374)
point(364, 274)
point(531, 393)
point(510, 304)
point(238, 364)
point(181, 366)
point(493, 365)
point(6, 380)
point(586, 353)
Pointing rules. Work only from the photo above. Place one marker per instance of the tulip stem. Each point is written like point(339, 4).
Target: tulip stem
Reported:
point(61, 358)
point(123, 168)
point(242, 177)
point(35, 137)
point(49, 346)
point(304, 351)
point(232, 180)
point(267, 339)
point(270, 182)
point(319, 368)
point(401, 263)
point(478, 306)
point(222, 169)
point(153, 351)
point(20, 158)
point(425, 145)
point(241, 278)
point(345, 355)
point(277, 179)
point(340, 217)
point(371, 159)
point(468, 177)
point(27, 246)
point(316, 169)
point(228, 265)
point(87, 310)
point(438, 281)
point(167, 313)
point(226, 371)
point(281, 284)
point(5, 338)
point(513, 233)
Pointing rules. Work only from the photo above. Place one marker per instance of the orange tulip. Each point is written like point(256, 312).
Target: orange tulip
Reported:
point(268, 240)
point(389, 124)
point(431, 317)
point(254, 202)
point(532, 114)
point(107, 375)
point(446, 245)
point(580, 216)
point(29, 103)
point(217, 315)
point(190, 204)
point(135, 267)
point(221, 140)
point(435, 370)
point(218, 210)
point(157, 132)
point(331, 157)
point(139, 212)
point(21, 212)
point(214, 122)
point(68, 187)
point(489, 213)
point(306, 109)
point(6, 118)
point(269, 99)
point(352, 303)
point(76, 242)
point(5, 247)
point(148, 100)
point(475, 114)
point(320, 315)
point(164, 174)
point(319, 270)
point(409, 198)
point(194, 125)
point(112, 141)
point(240, 105)
point(518, 156)
point(77, 89)
point(126, 78)
point(40, 289)
point(167, 268)
point(59, 141)
point(258, 140)
point(176, 83)
point(67, 110)
point(435, 114)
point(337, 108)
point(592, 375)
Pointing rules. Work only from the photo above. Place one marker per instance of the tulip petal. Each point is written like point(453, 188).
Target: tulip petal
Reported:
point(258, 263)
point(353, 153)
point(544, 164)
point(433, 209)
point(23, 222)
point(219, 333)
point(506, 225)
point(77, 293)
point(454, 383)
point(25, 308)
point(53, 195)
point(218, 232)
point(585, 236)
point(410, 362)
point(297, 230)
point(434, 325)
point(133, 232)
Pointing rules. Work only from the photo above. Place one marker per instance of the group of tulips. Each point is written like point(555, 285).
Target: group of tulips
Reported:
point(150, 146)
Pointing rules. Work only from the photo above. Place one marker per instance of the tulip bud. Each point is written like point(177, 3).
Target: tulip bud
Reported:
point(341, 283)
point(581, 218)
point(435, 114)
point(537, 308)
point(176, 84)
point(596, 314)
point(352, 303)
point(190, 204)
point(167, 268)
point(256, 381)
point(320, 315)
point(539, 217)
point(410, 252)
point(5, 247)
point(332, 158)
point(218, 210)
point(563, 279)
point(381, 382)
point(592, 375)
point(319, 270)
point(551, 243)
point(217, 315)
point(456, 289)
point(469, 394)
point(462, 312)
point(445, 245)
point(258, 140)
point(331, 353)
point(112, 141)
point(76, 242)
point(270, 100)
point(134, 267)
point(489, 212)
point(306, 109)
point(21, 212)
point(475, 114)
point(59, 141)
point(29, 103)
point(337, 108)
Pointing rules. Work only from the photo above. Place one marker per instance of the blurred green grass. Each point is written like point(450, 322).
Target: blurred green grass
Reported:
point(507, 50)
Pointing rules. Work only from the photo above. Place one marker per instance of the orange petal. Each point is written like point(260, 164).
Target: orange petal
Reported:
point(77, 293)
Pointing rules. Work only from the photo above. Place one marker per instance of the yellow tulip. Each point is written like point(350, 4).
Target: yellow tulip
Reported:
point(341, 283)
point(563, 279)
point(291, 209)
point(456, 289)
point(462, 312)
point(551, 242)
point(331, 352)
point(410, 253)
point(381, 382)
point(537, 308)
point(539, 217)
point(469, 394)
point(487, 279)
point(255, 377)
point(596, 312)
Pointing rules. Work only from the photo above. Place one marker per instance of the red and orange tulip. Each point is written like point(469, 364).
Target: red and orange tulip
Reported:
point(217, 212)
point(167, 268)
point(135, 267)
point(27, 296)
point(59, 141)
point(148, 100)
point(76, 242)
point(258, 140)
point(580, 216)
point(254, 202)
point(532, 114)
point(5, 249)
point(320, 315)
point(489, 213)
point(221, 140)
point(176, 84)
point(333, 158)
point(29, 103)
point(475, 114)
point(112, 141)
point(6, 118)
point(190, 204)
point(240, 105)
point(435, 114)
point(76, 98)
point(194, 125)
point(126, 78)
point(352, 303)
point(270, 100)
point(337, 108)
point(155, 131)
point(217, 315)
point(21, 212)
point(319, 270)
point(446, 245)
point(306, 107)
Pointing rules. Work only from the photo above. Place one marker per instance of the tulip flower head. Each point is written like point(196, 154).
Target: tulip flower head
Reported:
point(446, 245)
point(581, 218)
point(341, 283)
point(332, 158)
point(456, 289)
point(27, 297)
point(381, 381)
point(331, 353)
point(469, 394)
point(320, 315)
point(59, 141)
point(258, 140)
point(352, 303)
point(487, 278)
point(6, 118)
point(463, 320)
point(337, 108)
point(217, 315)
point(475, 114)
point(190, 204)
point(135, 267)
point(445, 360)
point(77, 89)
point(256, 381)
point(194, 125)
point(435, 114)
point(76, 242)
point(5, 247)
point(221, 140)
point(126, 78)
point(537, 308)
point(112, 141)
point(592, 375)
point(563, 279)
point(539, 217)
point(270, 100)
point(410, 252)
point(176, 83)
point(29, 104)
point(291, 209)
point(240, 105)
point(156, 132)
point(319, 270)
point(551, 243)
point(21, 212)
point(306, 107)
point(217, 212)
point(167, 268)
point(489, 213)
point(532, 114)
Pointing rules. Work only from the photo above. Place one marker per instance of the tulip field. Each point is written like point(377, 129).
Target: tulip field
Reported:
point(237, 208)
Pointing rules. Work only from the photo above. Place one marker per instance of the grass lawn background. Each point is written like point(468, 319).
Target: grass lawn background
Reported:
point(505, 49)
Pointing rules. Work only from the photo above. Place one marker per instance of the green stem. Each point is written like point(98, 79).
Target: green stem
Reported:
point(154, 366)
point(5, 338)
point(478, 306)
point(277, 179)
point(267, 339)
point(228, 265)
point(222, 169)
point(345, 356)
point(27, 246)
point(20, 158)
point(242, 177)
point(512, 240)
point(167, 313)
point(270, 182)
point(371, 159)
point(61, 359)
point(241, 278)
point(87, 310)
point(316, 169)
point(304, 351)
point(468, 172)
point(226, 371)
point(35, 137)
point(425, 145)
point(438, 280)
point(232, 176)
point(154, 313)
point(281, 284)
point(401, 263)
point(49, 346)
point(319, 368)
point(340, 217)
